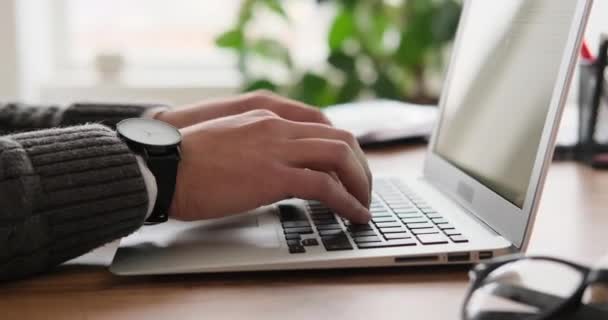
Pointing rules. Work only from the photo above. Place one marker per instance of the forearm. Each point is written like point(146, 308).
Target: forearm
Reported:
point(64, 192)
point(16, 117)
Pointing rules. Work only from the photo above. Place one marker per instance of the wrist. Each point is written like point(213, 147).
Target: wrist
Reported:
point(158, 145)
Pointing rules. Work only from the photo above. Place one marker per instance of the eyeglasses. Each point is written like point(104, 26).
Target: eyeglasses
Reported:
point(533, 288)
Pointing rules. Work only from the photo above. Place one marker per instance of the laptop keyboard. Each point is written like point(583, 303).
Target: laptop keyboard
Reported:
point(400, 218)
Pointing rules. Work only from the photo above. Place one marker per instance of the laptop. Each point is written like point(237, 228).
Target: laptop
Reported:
point(476, 197)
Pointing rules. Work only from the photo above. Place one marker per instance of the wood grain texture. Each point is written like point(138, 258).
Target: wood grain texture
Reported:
point(572, 223)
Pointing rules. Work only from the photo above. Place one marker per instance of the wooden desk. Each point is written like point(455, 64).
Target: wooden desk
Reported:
point(572, 223)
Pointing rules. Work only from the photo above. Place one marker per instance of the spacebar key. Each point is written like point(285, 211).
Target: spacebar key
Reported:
point(388, 244)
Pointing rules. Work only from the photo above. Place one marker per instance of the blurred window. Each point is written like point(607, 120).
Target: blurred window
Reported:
point(175, 34)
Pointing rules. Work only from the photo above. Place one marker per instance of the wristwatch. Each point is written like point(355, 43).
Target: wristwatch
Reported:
point(158, 144)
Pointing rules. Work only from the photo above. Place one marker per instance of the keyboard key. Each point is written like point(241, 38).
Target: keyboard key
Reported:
point(439, 221)
point(336, 243)
point(334, 226)
point(363, 233)
point(424, 231)
point(297, 249)
point(445, 226)
point(427, 210)
point(295, 224)
point(293, 242)
point(310, 242)
point(421, 225)
point(459, 239)
point(325, 216)
point(388, 224)
point(303, 230)
point(410, 215)
point(414, 220)
point(387, 244)
point(360, 227)
point(393, 230)
point(324, 233)
point(403, 207)
point(291, 213)
point(324, 222)
point(367, 239)
point(400, 204)
point(400, 235)
point(433, 215)
point(384, 219)
point(436, 238)
point(451, 232)
point(318, 208)
point(401, 242)
point(382, 215)
point(392, 196)
point(293, 236)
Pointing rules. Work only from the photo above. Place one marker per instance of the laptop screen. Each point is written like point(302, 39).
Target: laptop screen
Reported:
point(496, 105)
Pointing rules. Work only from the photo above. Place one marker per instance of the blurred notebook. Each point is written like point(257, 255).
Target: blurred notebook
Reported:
point(380, 121)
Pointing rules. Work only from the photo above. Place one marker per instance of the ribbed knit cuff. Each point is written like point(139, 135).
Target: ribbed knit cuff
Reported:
point(108, 114)
point(91, 190)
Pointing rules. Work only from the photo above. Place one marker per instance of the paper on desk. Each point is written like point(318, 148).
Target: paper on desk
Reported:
point(386, 120)
point(383, 120)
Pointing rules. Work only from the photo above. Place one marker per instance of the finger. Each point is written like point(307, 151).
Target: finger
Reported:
point(311, 130)
point(314, 185)
point(330, 156)
point(285, 108)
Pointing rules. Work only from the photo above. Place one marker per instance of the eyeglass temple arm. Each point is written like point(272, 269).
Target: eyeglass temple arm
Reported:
point(544, 301)
point(504, 315)
point(526, 296)
point(507, 315)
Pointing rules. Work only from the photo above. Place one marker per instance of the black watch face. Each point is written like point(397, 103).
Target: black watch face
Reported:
point(149, 132)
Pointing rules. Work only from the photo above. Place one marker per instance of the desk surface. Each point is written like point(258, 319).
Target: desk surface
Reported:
point(572, 224)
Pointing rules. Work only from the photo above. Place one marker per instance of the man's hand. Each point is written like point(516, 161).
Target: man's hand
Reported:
point(186, 116)
point(238, 163)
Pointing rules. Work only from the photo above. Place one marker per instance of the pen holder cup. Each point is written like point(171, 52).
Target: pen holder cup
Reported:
point(593, 112)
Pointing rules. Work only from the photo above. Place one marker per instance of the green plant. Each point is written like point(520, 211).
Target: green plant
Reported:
point(380, 48)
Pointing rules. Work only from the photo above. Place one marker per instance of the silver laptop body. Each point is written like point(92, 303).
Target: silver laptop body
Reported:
point(483, 175)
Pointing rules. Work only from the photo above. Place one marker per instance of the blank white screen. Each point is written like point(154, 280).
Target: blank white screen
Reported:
point(498, 99)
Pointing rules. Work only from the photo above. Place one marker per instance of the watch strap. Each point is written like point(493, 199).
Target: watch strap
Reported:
point(164, 168)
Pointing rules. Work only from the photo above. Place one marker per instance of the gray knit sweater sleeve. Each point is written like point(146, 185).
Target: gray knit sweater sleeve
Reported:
point(64, 191)
point(16, 117)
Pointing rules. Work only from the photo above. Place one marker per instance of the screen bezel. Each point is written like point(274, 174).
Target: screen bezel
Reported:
point(504, 217)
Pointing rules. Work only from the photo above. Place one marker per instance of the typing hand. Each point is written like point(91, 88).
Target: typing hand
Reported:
point(238, 163)
point(182, 117)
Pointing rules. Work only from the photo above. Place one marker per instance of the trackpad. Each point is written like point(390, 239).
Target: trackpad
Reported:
point(254, 229)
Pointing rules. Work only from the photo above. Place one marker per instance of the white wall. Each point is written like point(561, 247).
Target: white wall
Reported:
point(34, 46)
point(8, 51)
